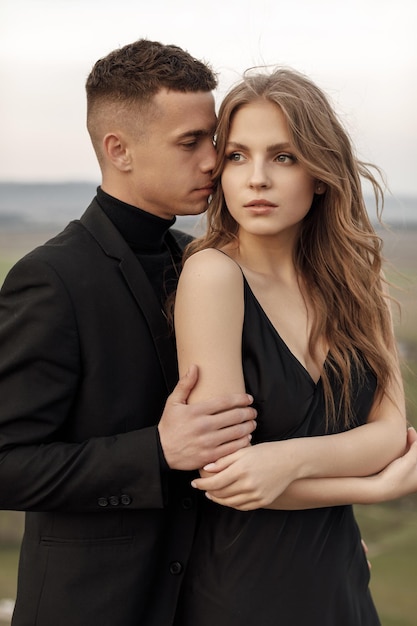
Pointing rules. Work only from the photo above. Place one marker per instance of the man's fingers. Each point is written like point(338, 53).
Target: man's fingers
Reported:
point(237, 431)
point(185, 385)
point(233, 424)
point(224, 407)
point(225, 410)
point(228, 443)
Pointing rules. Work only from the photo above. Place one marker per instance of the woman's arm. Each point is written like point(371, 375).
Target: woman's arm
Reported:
point(398, 479)
point(208, 323)
point(209, 318)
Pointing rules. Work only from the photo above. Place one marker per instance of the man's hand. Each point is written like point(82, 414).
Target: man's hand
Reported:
point(194, 435)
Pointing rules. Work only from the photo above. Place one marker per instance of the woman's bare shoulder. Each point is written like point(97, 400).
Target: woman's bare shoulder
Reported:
point(212, 264)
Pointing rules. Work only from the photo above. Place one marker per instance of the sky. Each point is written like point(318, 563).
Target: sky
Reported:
point(363, 53)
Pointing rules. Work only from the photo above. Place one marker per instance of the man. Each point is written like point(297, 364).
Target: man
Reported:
point(90, 446)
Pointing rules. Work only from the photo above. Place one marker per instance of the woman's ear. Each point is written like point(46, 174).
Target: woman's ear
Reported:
point(117, 152)
point(320, 187)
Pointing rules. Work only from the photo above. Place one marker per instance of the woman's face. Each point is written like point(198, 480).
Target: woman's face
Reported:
point(267, 191)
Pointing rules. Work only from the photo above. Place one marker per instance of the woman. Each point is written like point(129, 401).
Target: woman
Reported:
point(284, 298)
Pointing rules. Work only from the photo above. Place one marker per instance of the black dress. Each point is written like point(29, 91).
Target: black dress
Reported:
point(279, 568)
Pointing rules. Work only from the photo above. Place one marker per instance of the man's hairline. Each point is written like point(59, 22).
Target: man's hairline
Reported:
point(150, 111)
point(145, 104)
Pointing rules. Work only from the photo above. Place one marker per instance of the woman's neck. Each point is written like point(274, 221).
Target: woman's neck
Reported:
point(271, 257)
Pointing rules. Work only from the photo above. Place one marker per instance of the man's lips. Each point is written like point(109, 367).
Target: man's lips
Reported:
point(206, 188)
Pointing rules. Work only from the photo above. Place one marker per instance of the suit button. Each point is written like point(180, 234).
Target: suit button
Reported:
point(114, 501)
point(187, 503)
point(125, 499)
point(102, 502)
point(175, 568)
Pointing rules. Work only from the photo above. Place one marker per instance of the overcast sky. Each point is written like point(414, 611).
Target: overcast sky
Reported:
point(362, 52)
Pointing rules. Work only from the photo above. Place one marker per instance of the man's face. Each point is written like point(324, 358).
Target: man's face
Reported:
point(173, 161)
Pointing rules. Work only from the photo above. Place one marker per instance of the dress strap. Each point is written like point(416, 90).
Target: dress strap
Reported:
point(235, 262)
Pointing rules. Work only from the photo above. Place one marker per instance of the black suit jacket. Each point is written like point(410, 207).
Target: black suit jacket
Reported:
point(86, 364)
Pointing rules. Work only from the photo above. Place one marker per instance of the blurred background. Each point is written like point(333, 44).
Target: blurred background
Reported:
point(363, 53)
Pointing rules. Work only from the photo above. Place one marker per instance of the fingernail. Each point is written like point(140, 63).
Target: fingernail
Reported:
point(193, 484)
point(250, 397)
point(209, 467)
point(208, 496)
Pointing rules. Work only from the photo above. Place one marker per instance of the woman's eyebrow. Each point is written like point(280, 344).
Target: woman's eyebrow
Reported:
point(276, 147)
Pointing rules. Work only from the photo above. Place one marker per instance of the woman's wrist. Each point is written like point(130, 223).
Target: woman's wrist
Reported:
point(369, 490)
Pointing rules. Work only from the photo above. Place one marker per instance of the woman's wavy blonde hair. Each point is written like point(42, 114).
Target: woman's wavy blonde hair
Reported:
point(338, 252)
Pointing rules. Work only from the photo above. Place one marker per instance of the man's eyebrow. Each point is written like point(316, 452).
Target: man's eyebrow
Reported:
point(196, 133)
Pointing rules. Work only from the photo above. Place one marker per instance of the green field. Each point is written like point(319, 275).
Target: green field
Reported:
point(390, 530)
point(8, 569)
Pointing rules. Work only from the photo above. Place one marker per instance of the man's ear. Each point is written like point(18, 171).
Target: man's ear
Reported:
point(117, 151)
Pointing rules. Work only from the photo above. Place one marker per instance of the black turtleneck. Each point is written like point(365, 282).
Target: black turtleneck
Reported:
point(146, 236)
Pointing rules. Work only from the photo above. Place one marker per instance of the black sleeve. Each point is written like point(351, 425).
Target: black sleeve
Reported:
point(40, 370)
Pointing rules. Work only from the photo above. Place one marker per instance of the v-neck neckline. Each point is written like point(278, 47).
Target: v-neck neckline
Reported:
point(280, 339)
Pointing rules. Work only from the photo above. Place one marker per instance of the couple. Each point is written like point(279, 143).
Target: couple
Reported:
point(281, 299)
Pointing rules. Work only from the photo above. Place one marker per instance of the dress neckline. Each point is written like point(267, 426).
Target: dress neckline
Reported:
point(295, 359)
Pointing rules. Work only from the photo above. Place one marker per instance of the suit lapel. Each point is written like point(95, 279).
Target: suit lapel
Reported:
point(148, 302)
point(113, 244)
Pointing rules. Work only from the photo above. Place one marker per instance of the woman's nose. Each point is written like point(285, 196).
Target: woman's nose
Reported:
point(259, 176)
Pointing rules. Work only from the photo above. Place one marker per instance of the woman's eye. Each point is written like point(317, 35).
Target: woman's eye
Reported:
point(285, 158)
point(234, 156)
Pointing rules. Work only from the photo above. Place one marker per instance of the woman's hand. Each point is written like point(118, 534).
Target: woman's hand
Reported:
point(399, 478)
point(251, 478)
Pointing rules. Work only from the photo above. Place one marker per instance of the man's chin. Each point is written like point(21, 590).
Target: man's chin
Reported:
point(195, 210)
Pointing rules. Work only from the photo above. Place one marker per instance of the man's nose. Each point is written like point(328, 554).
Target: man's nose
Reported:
point(209, 159)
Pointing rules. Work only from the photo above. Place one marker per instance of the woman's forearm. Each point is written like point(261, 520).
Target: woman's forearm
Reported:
point(314, 493)
point(309, 472)
point(362, 451)
point(398, 479)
